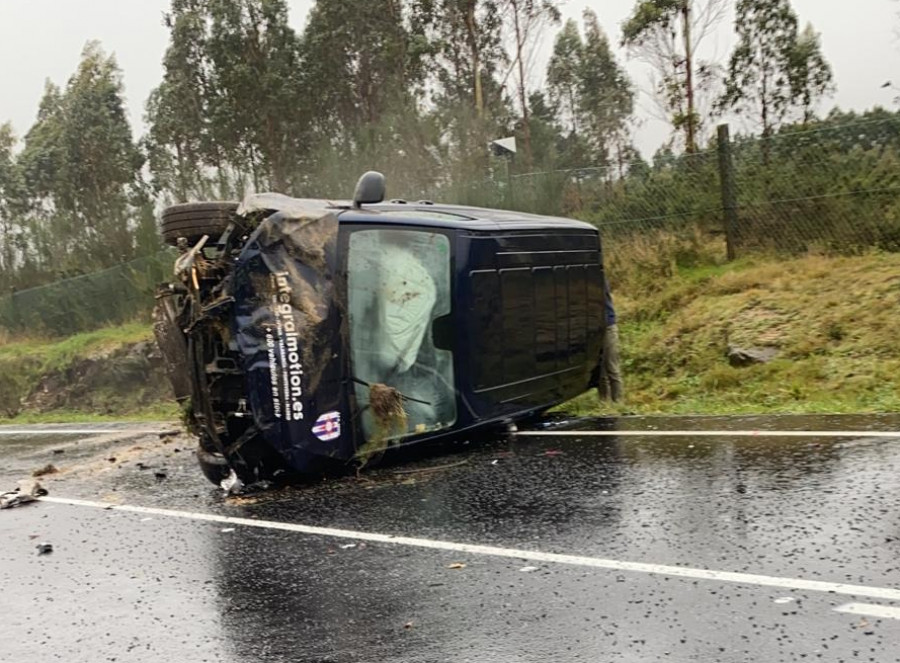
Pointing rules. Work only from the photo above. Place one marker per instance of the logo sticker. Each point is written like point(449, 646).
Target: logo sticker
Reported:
point(328, 426)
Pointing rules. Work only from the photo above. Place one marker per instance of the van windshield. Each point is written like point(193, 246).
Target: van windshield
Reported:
point(398, 285)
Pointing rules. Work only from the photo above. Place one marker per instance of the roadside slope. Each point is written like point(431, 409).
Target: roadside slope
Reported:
point(114, 372)
point(832, 323)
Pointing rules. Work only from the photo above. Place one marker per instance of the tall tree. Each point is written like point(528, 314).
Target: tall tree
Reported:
point(232, 111)
point(607, 97)
point(181, 152)
point(82, 170)
point(528, 17)
point(772, 70)
point(667, 34)
point(10, 232)
point(810, 73)
point(563, 74)
point(468, 101)
point(593, 91)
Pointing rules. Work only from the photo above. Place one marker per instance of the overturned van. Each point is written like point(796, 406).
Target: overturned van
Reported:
point(305, 336)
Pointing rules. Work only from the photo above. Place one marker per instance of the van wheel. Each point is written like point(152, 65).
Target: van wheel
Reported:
point(193, 220)
point(213, 465)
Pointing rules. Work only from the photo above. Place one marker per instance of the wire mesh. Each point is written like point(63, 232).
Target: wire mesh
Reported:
point(832, 188)
point(118, 294)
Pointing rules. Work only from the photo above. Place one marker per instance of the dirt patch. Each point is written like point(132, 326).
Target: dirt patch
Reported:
point(120, 379)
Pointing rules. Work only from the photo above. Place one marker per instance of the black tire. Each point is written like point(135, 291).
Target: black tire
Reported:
point(213, 465)
point(193, 220)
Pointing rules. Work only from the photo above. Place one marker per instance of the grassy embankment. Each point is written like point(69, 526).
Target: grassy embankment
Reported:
point(118, 389)
point(833, 321)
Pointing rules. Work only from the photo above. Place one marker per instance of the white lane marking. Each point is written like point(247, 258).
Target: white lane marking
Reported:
point(887, 593)
point(534, 433)
point(78, 431)
point(708, 433)
point(870, 610)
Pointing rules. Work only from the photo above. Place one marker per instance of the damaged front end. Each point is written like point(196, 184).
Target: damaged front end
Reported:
point(252, 331)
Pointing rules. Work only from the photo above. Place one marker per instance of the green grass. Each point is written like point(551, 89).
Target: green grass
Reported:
point(24, 362)
point(832, 320)
point(163, 411)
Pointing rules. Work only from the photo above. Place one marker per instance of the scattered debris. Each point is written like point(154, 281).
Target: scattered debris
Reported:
point(528, 569)
point(49, 468)
point(112, 459)
point(26, 492)
point(347, 546)
point(44, 548)
point(408, 625)
point(231, 484)
point(554, 452)
point(160, 475)
point(456, 565)
point(785, 599)
point(167, 433)
point(144, 520)
point(57, 452)
point(227, 529)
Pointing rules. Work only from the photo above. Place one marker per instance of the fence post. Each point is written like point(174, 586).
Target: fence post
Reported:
point(729, 191)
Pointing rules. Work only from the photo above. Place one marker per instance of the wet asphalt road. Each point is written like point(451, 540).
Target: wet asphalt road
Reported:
point(148, 586)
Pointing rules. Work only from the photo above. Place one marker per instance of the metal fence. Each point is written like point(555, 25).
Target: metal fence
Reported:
point(114, 295)
point(833, 188)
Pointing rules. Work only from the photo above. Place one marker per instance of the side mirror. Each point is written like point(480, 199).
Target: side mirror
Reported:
point(369, 189)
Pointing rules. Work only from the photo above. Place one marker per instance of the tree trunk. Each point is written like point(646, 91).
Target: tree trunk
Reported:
point(526, 123)
point(690, 126)
point(472, 32)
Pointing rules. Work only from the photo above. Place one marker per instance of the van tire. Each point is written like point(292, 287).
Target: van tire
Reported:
point(193, 220)
point(213, 465)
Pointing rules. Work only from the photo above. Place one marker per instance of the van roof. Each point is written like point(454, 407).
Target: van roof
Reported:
point(457, 216)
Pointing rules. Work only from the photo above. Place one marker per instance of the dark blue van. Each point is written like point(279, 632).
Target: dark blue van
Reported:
point(305, 336)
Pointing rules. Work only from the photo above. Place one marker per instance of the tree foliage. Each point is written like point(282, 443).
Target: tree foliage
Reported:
point(415, 88)
point(80, 176)
point(774, 68)
point(666, 34)
point(593, 93)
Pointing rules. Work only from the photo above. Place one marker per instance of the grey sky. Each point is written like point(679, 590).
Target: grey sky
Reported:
point(42, 39)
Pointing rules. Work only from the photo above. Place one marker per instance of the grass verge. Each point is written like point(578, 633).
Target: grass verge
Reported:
point(832, 320)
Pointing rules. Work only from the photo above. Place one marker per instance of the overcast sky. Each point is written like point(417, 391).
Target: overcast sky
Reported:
point(42, 39)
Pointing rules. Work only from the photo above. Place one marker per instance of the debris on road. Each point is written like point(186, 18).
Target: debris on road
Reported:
point(44, 548)
point(50, 468)
point(232, 485)
point(528, 569)
point(27, 491)
point(456, 565)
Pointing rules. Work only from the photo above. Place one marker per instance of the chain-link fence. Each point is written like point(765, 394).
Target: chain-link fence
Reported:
point(114, 295)
point(832, 188)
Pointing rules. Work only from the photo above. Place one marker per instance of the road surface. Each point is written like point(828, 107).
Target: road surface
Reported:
point(616, 548)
